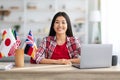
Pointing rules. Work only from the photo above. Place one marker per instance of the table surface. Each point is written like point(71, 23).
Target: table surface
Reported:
point(59, 72)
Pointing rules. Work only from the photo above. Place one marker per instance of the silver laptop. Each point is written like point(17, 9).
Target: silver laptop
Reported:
point(95, 56)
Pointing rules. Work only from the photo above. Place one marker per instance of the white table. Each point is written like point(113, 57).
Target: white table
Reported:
point(59, 72)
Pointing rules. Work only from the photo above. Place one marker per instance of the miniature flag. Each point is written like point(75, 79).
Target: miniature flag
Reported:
point(18, 41)
point(15, 45)
point(1, 55)
point(3, 37)
point(30, 45)
point(7, 43)
point(4, 34)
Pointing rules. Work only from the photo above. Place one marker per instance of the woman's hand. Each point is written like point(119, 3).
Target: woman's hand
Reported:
point(64, 61)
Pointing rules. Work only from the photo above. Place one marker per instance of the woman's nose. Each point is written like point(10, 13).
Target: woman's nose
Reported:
point(60, 24)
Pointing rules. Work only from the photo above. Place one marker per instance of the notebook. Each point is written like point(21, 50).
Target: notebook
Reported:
point(6, 66)
point(95, 56)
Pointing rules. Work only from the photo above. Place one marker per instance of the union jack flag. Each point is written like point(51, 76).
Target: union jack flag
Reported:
point(30, 39)
point(30, 45)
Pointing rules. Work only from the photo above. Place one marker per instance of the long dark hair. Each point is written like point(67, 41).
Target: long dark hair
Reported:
point(69, 28)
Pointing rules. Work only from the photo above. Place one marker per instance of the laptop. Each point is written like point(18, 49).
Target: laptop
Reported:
point(95, 56)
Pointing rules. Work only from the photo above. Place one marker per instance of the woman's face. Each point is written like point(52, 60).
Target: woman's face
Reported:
point(60, 25)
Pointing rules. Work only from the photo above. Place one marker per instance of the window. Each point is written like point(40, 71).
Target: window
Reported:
point(110, 25)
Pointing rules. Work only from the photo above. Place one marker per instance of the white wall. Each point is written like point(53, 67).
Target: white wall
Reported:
point(111, 24)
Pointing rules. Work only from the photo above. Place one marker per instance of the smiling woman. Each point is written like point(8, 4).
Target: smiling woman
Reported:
point(60, 47)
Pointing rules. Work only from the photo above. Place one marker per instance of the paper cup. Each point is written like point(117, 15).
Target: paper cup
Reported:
point(19, 57)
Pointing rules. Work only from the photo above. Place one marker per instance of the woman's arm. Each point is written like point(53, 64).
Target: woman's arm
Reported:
point(60, 61)
point(53, 61)
point(76, 61)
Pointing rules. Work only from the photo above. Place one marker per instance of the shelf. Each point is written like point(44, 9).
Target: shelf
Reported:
point(53, 10)
point(39, 22)
point(12, 22)
point(39, 13)
point(80, 20)
point(4, 12)
point(40, 10)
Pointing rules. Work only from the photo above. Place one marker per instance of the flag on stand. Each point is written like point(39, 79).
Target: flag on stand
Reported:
point(4, 34)
point(7, 42)
point(30, 45)
point(15, 45)
point(3, 37)
point(1, 55)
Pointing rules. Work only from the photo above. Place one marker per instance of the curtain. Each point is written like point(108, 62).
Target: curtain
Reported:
point(110, 24)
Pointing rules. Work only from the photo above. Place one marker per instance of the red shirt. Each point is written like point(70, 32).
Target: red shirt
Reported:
point(48, 44)
point(60, 52)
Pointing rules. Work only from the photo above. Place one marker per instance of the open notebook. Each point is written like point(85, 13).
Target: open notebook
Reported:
point(6, 66)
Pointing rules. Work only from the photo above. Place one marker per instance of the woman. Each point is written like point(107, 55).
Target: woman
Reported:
point(60, 47)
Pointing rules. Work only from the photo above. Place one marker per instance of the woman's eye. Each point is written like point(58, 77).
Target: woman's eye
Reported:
point(63, 22)
point(56, 22)
point(60, 22)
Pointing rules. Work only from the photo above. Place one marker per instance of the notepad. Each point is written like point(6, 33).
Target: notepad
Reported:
point(6, 66)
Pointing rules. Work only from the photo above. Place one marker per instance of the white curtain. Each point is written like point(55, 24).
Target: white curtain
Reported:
point(110, 25)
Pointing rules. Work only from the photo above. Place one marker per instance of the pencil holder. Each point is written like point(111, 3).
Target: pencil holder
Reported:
point(19, 57)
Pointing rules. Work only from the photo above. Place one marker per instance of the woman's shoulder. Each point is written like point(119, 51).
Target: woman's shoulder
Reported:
point(48, 38)
point(73, 38)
